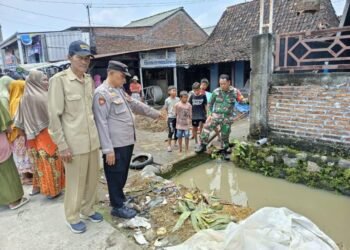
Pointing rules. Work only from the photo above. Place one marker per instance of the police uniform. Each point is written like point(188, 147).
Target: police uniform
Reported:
point(221, 107)
point(72, 126)
point(113, 110)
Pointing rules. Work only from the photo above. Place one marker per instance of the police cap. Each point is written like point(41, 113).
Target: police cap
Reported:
point(116, 65)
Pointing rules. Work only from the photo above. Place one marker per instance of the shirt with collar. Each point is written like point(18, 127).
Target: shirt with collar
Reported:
point(113, 111)
point(72, 123)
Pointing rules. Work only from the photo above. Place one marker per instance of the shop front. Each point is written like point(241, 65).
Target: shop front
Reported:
point(158, 68)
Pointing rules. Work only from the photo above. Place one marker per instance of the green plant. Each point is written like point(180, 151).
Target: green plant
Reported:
point(254, 159)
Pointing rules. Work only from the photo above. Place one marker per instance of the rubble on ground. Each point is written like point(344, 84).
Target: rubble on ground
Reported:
point(149, 124)
point(169, 214)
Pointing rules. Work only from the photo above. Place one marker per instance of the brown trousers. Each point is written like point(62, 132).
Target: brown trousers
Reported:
point(81, 186)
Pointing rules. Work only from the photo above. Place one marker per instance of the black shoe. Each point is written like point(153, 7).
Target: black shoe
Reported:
point(201, 148)
point(124, 212)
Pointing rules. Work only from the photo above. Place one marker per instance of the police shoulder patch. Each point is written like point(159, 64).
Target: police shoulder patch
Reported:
point(101, 101)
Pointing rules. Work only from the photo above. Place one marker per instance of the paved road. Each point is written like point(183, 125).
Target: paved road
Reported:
point(40, 225)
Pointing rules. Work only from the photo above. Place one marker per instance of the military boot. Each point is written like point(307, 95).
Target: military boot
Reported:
point(201, 148)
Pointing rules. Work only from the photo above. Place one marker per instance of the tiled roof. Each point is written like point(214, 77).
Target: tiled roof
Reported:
point(152, 20)
point(231, 38)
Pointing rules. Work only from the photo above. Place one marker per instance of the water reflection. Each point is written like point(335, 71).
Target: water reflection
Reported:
point(331, 212)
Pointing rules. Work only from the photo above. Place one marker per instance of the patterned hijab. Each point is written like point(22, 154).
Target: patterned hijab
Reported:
point(16, 93)
point(32, 115)
point(4, 90)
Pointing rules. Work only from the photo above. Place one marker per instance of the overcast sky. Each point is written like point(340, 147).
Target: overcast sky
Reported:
point(104, 12)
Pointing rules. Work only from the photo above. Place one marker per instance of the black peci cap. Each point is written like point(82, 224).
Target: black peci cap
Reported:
point(116, 65)
point(79, 48)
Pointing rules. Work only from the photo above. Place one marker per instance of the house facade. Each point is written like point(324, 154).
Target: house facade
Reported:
point(228, 48)
point(38, 47)
point(148, 46)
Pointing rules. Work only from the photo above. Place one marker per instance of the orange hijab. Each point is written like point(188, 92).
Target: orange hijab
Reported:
point(16, 93)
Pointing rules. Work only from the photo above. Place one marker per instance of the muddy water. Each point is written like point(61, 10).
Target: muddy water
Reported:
point(331, 212)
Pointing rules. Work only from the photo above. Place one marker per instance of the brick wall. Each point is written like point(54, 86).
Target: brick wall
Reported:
point(310, 108)
point(176, 30)
point(179, 29)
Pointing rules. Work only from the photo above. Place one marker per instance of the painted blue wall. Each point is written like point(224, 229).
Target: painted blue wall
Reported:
point(214, 76)
point(239, 74)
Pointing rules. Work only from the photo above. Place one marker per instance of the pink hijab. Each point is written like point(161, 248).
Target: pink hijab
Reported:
point(97, 79)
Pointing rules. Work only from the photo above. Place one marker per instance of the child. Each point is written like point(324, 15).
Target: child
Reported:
point(204, 87)
point(199, 110)
point(183, 111)
point(169, 107)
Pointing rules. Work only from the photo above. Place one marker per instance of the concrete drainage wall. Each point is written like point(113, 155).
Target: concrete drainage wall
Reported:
point(182, 165)
point(167, 171)
point(328, 172)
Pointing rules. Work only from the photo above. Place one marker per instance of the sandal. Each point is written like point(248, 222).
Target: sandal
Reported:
point(54, 197)
point(23, 201)
point(32, 193)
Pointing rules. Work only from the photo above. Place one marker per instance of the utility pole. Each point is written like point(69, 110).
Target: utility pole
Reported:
point(262, 24)
point(88, 6)
point(91, 36)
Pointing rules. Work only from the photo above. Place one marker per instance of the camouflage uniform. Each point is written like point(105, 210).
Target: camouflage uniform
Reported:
point(221, 108)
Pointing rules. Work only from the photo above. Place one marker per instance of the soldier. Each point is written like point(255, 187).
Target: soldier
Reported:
point(116, 126)
point(72, 128)
point(220, 113)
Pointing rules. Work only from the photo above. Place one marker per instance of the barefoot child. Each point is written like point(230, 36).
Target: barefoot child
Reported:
point(199, 110)
point(183, 111)
point(169, 107)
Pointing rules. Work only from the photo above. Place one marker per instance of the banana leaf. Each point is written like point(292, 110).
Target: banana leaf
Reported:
point(183, 217)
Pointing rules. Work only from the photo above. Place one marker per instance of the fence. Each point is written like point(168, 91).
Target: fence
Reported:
point(313, 50)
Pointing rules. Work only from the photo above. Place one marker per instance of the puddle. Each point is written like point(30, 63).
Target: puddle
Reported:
point(329, 211)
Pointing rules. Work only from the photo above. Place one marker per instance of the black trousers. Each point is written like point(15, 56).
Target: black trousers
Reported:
point(117, 174)
point(172, 128)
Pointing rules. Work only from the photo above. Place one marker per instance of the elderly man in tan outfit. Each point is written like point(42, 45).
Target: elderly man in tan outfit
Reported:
point(72, 128)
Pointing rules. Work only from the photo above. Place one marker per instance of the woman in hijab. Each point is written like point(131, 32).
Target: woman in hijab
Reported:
point(11, 190)
point(4, 90)
point(32, 117)
point(17, 139)
point(97, 80)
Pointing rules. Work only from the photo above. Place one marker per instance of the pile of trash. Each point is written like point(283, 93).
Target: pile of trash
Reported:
point(148, 124)
point(169, 214)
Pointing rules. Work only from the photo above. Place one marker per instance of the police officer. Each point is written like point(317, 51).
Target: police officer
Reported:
point(220, 113)
point(72, 128)
point(116, 126)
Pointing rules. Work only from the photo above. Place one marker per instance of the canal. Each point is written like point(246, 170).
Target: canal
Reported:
point(329, 211)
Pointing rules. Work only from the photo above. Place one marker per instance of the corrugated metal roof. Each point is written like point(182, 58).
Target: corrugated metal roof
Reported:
point(152, 20)
point(136, 50)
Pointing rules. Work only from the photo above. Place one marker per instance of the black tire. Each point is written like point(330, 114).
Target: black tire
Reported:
point(140, 161)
